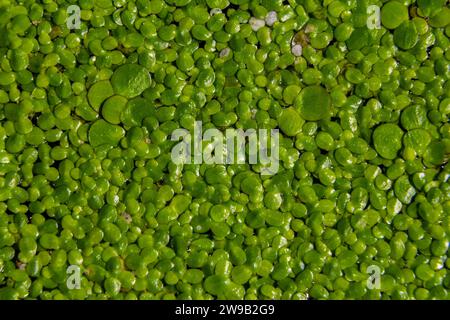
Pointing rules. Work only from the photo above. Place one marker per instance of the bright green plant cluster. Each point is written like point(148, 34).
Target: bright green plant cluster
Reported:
point(86, 177)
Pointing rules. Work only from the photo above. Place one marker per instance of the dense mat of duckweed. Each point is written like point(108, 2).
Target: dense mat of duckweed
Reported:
point(87, 181)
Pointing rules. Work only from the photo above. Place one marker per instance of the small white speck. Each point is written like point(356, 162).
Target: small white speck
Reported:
point(215, 11)
point(21, 265)
point(225, 52)
point(297, 50)
point(127, 217)
point(271, 18)
point(256, 24)
point(285, 18)
point(310, 28)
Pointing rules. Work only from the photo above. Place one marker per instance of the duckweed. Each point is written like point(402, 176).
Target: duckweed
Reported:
point(99, 92)
point(387, 140)
point(130, 80)
point(104, 133)
point(314, 103)
point(290, 122)
point(86, 175)
point(393, 14)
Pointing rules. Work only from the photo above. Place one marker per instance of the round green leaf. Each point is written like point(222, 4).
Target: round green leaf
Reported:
point(441, 19)
point(102, 132)
point(403, 189)
point(136, 110)
point(112, 108)
point(314, 103)
point(413, 117)
point(99, 92)
point(406, 36)
point(393, 14)
point(290, 122)
point(417, 139)
point(437, 153)
point(130, 80)
point(387, 139)
point(430, 7)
